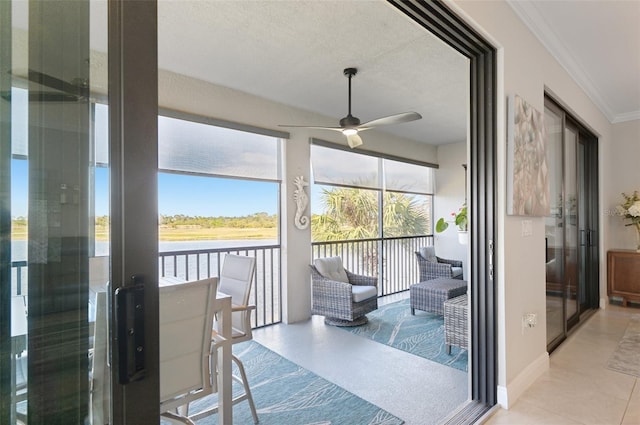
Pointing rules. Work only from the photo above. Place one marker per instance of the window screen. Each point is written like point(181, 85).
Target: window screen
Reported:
point(101, 133)
point(343, 168)
point(19, 121)
point(403, 177)
point(193, 147)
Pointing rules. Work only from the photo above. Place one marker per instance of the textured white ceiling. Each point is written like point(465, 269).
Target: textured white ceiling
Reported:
point(294, 52)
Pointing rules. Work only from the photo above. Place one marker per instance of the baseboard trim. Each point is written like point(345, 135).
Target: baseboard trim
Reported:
point(508, 395)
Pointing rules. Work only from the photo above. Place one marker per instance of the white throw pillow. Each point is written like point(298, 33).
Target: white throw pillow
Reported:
point(429, 254)
point(331, 268)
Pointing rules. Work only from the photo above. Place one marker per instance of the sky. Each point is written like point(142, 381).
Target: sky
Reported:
point(214, 197)
point(177, 194)
point(219, 151)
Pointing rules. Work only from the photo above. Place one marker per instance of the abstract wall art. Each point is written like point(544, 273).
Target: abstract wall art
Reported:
point(527, 173)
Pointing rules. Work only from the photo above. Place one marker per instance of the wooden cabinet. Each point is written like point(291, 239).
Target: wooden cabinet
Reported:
point(623, 275)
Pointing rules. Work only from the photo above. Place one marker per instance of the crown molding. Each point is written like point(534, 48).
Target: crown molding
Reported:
point(628, 116)
point(533, 19)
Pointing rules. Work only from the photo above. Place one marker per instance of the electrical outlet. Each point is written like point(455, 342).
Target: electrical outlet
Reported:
point(529, 320)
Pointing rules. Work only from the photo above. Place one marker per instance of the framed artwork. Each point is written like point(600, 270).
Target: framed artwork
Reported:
point(527, 172)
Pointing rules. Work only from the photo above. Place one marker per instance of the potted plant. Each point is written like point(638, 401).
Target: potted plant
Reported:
point(461, 220)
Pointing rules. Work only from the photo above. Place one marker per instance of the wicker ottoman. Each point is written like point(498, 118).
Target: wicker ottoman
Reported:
point(455, 323)
point(430, 295)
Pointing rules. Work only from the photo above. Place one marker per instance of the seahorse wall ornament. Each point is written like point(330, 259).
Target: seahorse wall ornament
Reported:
point(300, 220)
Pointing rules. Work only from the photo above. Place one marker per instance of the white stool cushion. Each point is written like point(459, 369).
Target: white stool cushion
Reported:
point(363, 292)
point(331, 268)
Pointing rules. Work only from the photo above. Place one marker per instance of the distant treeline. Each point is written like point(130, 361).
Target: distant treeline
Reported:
point(257, 220)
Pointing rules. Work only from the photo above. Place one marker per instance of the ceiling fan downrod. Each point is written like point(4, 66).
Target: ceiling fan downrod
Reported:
point(350, 120)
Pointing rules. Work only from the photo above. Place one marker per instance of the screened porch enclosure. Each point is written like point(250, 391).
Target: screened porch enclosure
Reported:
point(374, 211)
point(394, 223)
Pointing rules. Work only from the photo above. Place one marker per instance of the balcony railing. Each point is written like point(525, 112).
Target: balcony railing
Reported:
point(18, 276)
point(391, 259)
point(266, 291)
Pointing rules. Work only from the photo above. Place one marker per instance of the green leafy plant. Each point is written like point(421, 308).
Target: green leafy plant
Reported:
point(460, 219)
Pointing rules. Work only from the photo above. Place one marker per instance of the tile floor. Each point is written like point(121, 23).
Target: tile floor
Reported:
point(578, 388)
point(414, 389)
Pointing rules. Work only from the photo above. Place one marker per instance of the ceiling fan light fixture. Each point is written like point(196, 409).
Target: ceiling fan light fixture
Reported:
point(354, 141)
point(350, 131)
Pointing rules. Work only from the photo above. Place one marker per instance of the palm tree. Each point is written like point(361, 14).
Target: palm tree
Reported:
point(352, 214)
point(348, 214)
point(403, 215)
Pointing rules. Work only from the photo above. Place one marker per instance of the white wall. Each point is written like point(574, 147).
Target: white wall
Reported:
point(186, 94)
point(526, 69)
point(449, 196)
point(621, 174)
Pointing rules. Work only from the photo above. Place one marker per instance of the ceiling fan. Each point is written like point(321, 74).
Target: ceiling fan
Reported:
point(350, 126)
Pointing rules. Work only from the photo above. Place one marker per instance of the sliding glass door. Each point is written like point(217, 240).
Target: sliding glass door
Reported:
point(571, 238)
point(58, 267)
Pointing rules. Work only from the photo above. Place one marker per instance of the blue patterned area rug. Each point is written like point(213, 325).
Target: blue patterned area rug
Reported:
point(423, 334)
point(287, 394)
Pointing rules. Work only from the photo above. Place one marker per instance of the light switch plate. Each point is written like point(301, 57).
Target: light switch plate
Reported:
point(527, 228)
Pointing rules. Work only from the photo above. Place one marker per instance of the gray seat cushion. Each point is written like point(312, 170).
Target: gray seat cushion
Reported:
point(456, 271)
point(362, 292)
point(430, 295)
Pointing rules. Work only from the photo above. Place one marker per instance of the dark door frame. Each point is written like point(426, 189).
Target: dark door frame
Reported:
point(133, 147)
point(5, 216)
point(437, 18)
point(589, 264)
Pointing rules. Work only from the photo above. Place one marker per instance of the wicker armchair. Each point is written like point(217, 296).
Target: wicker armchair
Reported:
point(433, 267)
point(344, 298)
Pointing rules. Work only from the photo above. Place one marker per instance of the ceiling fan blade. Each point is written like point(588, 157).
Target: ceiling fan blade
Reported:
point(314, 127)
point(391, 119)
point(354, 140)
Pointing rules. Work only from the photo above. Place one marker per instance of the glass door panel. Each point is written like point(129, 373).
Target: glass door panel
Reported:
point(583, 235)
point(571, 222)
point(51, 275)
point(554, 230)
point(48, 159)
point(55, 244)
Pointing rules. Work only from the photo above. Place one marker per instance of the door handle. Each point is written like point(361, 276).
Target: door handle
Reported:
point(491, 259)
point(130, 331)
